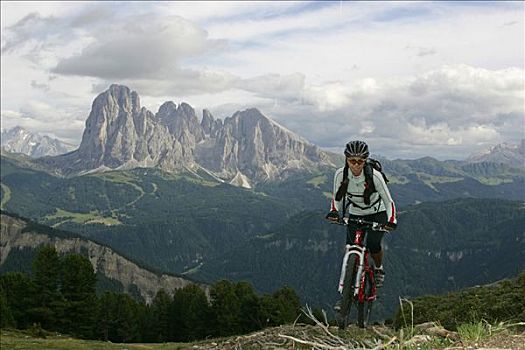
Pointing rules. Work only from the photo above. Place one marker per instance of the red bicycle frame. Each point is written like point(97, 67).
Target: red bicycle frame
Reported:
point(363, 268)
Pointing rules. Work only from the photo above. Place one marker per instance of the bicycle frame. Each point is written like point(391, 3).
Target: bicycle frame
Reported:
point(364, 290)
point(360, 252)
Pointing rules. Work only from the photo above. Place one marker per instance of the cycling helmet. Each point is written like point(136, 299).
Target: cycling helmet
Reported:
point(356, 149)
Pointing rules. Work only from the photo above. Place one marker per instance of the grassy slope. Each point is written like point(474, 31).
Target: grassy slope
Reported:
point(18, 340)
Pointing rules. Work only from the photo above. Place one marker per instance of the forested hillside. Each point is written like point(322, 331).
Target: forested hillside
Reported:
point(21, 239)
point(275, 234)
point(437, 247)
point(60, 295)
point(177, 221)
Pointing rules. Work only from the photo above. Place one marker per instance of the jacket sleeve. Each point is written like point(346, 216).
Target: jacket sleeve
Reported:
point(336, 205)
point(383, 191)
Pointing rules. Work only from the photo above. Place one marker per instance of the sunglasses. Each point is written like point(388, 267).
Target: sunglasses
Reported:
point(353, 161)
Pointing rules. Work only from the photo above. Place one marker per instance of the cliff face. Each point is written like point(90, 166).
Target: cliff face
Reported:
point(103, 259)
point(253, 145)
point(120, 134)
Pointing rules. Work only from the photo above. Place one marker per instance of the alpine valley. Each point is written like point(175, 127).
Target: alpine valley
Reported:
point(244, 199)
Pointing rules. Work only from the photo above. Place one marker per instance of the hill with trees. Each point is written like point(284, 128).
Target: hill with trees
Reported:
point(60, 295)
point(176, 221)
point(438, 247)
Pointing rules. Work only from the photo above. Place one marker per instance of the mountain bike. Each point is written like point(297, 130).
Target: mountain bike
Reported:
point(357, 282)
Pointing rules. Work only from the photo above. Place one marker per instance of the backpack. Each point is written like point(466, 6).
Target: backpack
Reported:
point(369, 178)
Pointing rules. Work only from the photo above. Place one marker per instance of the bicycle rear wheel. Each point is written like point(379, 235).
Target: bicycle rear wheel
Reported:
point(364, 309)
point(347, 297)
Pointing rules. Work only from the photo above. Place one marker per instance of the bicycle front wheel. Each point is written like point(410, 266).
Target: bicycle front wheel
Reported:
point(347, 297)
point(364, 308)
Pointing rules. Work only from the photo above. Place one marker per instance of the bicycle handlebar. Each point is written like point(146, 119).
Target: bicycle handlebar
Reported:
point(375, 226)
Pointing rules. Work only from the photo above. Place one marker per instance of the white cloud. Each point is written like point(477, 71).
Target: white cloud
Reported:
point(412, 77)
point(40, 117)
point(137, 48)
point(455, 106)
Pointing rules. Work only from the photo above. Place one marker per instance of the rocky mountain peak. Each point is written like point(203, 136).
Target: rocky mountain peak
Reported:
point(181, 121)
point(20, 140)
point(119, 134)
point(17, 130)
point(166, 110)
point(251, 146)
point(123, 97)
point(512, 154)
point(207, 121)
point(110, 131)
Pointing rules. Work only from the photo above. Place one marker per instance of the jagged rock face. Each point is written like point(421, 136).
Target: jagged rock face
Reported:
point(110, 137)
point(120, 134)
point(185, 131)
point(207, 121)
point(19, 140)
point(102, 258)
point(253, 145)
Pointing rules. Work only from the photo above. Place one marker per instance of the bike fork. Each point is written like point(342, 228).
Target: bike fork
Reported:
point(359, 252)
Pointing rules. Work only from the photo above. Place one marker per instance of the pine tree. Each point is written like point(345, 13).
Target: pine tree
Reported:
point(281, 307)
point(117, 318)
point(126, 319)
point(78, 289)
point(226, 308)
point(19, 291)
point(190, 314)
point(250, 309)
point(161, 310)
point(288, 304)
point(46, 276)
point(104, 316)
point(6, 317)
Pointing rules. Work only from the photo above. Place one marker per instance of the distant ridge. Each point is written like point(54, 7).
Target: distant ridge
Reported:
point(20, 140)
point(120, 134)
point(506, 153)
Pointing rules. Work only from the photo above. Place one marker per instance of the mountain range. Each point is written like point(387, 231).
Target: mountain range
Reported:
point(506, 153)
point(20, 140)
point(217, 199)
point(245, 148)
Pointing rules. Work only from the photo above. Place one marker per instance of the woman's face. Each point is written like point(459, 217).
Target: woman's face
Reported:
point(356, 165)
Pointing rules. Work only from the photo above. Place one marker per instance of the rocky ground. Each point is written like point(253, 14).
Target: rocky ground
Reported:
point(426, 336)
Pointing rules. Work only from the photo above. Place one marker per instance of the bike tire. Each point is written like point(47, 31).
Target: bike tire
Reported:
point(364, 309)
point(347, 297)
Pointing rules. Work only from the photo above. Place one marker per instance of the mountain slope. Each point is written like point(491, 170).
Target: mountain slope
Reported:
point(169, 221)
point(20, 239)
point(19, 140)
point(506, 153)
point(438, 247)
point(177, 221)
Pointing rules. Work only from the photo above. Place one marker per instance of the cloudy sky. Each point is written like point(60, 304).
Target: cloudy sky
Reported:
point(444, 79)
